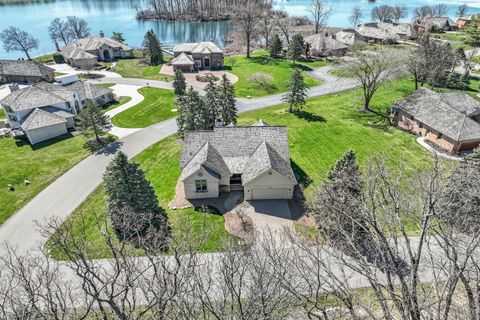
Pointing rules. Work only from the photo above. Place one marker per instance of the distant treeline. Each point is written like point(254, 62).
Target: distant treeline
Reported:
point(194, 10)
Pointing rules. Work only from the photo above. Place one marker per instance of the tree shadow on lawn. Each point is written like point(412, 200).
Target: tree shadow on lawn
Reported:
point(302, 177)
point(309, 116)
point(106, 146)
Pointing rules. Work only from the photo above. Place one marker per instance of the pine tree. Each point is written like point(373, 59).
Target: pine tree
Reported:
point(179, 84)
point(118, 36)
point(226, 102)
point(346, 173)
point(211, 98)
point(297, 91)
point(153, 47)
point(193, 114)
point(473, 32)
point(92, 118)
point(275, 46)
point(296, 48)
point(133, 205)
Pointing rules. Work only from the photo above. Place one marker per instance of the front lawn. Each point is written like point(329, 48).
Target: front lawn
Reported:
point(278, 69)
point(41, 166)
point(2, 113)
point(44, 59)
point(160, 163)
point(116, 103)
point(157, 106)
point(130, 68)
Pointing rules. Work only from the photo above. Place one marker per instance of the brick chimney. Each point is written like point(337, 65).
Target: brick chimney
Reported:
point(13, 87)
point(102, 34)
point(218, 123)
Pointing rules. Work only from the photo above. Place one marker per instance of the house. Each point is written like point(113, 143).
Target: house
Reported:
point(437, 24)
point(44, 111)
point(350, 37)
point(321, 45)
point(449, 120)
point(406, 31)
point(86, 52)
point(23, 71)
point(463, 22)
point(253, 159)
point(372, 32)
point(189, 57)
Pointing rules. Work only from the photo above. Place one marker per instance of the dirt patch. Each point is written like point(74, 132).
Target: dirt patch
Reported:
point(239, 224)
point(307, 231)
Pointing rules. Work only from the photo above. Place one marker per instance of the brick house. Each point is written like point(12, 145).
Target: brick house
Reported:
point(189, 57)
point(449, 120)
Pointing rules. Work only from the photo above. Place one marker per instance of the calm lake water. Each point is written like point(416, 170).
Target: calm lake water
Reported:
point(119, 15)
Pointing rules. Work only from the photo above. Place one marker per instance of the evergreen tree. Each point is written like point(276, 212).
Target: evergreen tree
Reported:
point(275, 46)
point(179, 84)
point(346, 173)
point(297, 91)
point(474, 157)
point(193, 113)
point(296, 48)
point(226, 102)
point(118, 36)
point(473, 32)
point(92, 118)
point(153, 47)
point(211, 99)
point(133, 205)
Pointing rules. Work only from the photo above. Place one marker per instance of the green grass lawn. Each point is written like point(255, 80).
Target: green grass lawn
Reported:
point(160, 163)
point(329, 126)
point(341, 73)
point(115, 104)
point(2, 113)
point(106, 85)
point(129, 68)
point(156, 107)
point(260, 61)
point(41, 166)
point(44, 59)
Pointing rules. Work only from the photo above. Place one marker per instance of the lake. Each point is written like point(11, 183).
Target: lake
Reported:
point(119, 15)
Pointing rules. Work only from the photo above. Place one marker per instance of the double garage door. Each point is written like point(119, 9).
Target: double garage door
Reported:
point(270, 193)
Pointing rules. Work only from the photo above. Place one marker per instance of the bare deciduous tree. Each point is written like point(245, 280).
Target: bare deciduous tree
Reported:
point(320, 12)
point(247, 17)
point(14, 39)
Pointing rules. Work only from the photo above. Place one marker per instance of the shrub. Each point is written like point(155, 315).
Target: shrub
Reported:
point(261, 79)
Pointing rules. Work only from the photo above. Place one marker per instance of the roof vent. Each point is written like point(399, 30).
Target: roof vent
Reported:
point(13, 87)
point(218, 123)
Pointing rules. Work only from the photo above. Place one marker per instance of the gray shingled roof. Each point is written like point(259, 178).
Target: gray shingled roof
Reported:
point(260, 123)
point(77, 49)
point(183, 59)
point(321, 43)
point(206, 156)
point(200, 47)
point(372, 31)
point(24, 68)
point(87, 90)
point(236, 146)
point(447, 113)
point(437, 21)
point(39, 118)
point(349, 37)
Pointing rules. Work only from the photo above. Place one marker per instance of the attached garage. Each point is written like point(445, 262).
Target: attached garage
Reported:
point(269, 186)
point(41, 125)
point(270, 193)
point(46, 133)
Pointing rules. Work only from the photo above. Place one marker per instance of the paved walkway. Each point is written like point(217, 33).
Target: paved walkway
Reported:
point(423, 143)
point(126, 91)
point(64, 195)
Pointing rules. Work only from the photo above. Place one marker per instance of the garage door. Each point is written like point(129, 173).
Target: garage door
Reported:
point(270, 193)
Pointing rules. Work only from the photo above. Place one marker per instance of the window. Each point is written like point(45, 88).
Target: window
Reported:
point(201, 185)
point(420, 125)
point(439, 136)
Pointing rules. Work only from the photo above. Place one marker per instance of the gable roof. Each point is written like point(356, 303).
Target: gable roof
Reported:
point(24, 68)
point(206, 156)
point(402, 29)
point(200, 47)
point(78, 48)
point(437, 21)
point(236, 146)
point(448, 113)
point(39, 118)
point(320, 42)
point(183, 59)
point(372, 31)
point(349, 37)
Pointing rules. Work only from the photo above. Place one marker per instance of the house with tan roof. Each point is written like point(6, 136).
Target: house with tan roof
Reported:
point(24, 71)
point(44, 111)
point(323, 46)
point(437, 24)
point(87, 51)
point(254, 160)
point(450, 120)
point(190, 57)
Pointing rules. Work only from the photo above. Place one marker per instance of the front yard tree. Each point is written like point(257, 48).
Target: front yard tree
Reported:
point(118, 36)
point(153, 47)
point(211, 98)
point(91, 118)
point(356, 16)
point(14, 39)
point(179, 83)
point(297, 91)
point(193, 113)
point(462, 10)
point(78, 27)
point(296, 48)
point(247, 16)
point(472, 31)
point(133, 205)
point(226, 102)
point(320, 12)
point(275, 46)
point(58, 30)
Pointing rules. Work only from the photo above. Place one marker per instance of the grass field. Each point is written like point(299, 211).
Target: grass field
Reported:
point(328, 127)
point(129, 68)
point(117, 103)
point(41, 166)
point(44, 59)
point(2, 113)
point(260, 61)
point(156, 107)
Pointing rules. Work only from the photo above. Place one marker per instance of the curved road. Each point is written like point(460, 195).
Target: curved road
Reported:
point(65, 194)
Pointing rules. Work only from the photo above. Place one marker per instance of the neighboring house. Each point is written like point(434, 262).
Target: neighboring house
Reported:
point(189, 57)
point(462, 22)
point(406, 31)
point(371, 32)
point(87, 51)
point(449, 120)
point(350, 37)
point(321, 45)
point(25, 72)
point(438, 24)
point(44, 110)
point(253, 159)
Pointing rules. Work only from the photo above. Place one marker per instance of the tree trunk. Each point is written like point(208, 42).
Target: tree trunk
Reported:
point(248, 46)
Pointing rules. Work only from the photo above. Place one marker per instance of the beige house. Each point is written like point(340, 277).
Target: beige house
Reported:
point(323, 46)
point(350, 37)
point(44, 111)
point(24, 71)
point(450, 120)
point(85, 52)
point(253, 159)
point(190, 57)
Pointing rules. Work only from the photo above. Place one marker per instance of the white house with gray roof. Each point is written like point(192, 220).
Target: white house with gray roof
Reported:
point(24, 71)
point(189, 57)
point(253, 159)
point(44, 110)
